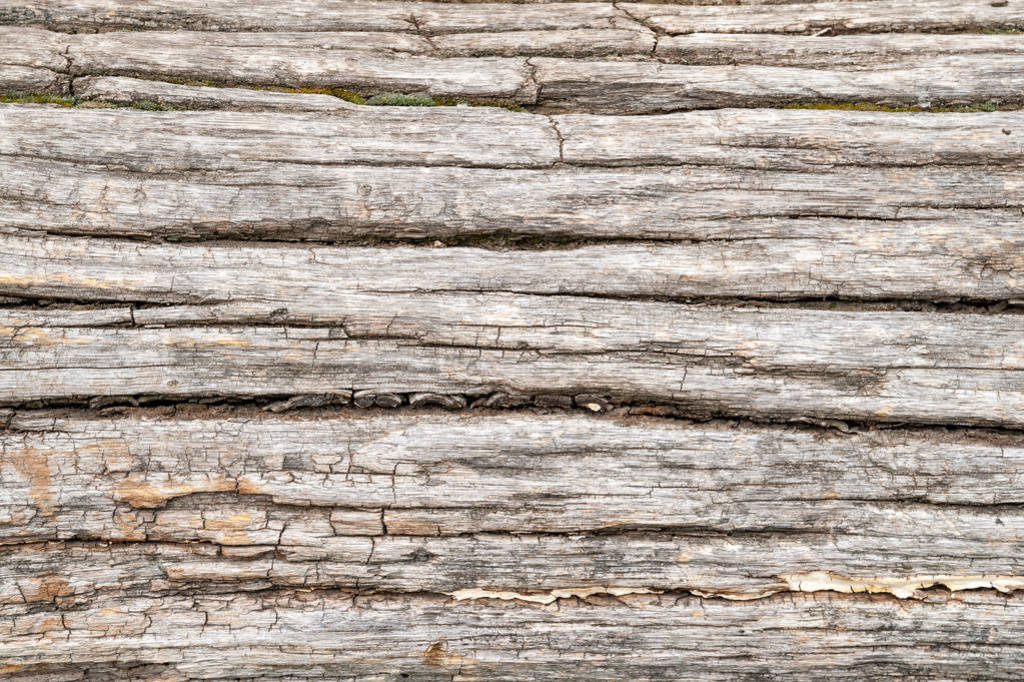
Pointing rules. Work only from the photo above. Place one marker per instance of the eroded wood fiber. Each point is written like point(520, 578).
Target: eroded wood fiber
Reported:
point(421, 500)
point(531, 67)
point(335, 634)
point(361, 172)
point(356, 451)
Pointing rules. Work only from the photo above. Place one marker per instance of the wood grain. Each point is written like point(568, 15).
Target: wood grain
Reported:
point(334, 634)
point(363, 171)
point(442, 18)
point(426, 501)
point(672, 375)
point(861, 366)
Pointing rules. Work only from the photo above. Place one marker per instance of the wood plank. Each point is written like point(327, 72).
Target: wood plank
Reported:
point(642, 87)
point(771, 139)
point(873, 366)
point(326, 202)
point(119, 90)
point(32, 60)
point(292, 186)
point(189, 56)
point(441, 18)
point(491, 137)
point(155, 50)
point(295, 15)
point(868, 16)
point(325, 500)
point(831, 52)
point(856, 262)
point(226, 141)
point(944, 71)
point(335, 634)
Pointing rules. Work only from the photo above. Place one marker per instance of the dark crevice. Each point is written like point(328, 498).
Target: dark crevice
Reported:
point(484, 403)
point(281, 316)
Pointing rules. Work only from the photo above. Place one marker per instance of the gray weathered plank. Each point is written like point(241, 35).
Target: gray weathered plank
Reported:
point(339, 635)
point(947, 70)
point(852, 260)
point(154, 51)
point(287, 187)
point(643, 87)
point(190, 56)
point(831, 52)
point(440, 18)
point(839, 17)
point(351, 134)
point(120, 90)
point(913, 367)
point(295, 15)
point(492, 137)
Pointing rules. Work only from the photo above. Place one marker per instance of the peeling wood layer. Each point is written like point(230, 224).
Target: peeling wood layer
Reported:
point(336, 634)
point(552, 505)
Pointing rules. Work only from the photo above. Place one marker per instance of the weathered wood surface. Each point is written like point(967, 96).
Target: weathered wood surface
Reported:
point(935, 265)
point(723, 175)
point(862, 366)
point(762, 139)
point(639, 87)
point(355, 451)
point(325, 502)
point(441, 18)
point(771, 71)
point(335, 634)
point(838, 17)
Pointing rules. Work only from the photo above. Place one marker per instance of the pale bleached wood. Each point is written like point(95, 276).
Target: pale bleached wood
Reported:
point(152, 50)
point(189, 56)
point(325, 202)
point(438, 18)
point(643, 87)
point(773, 139)
point(32, 60)
point(227, 141)
point(578, 42)
point(279, 633)
point(948, 70)
point(840, 17)
point(862, 366)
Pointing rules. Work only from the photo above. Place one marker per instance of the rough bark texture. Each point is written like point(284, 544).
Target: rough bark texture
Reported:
point(457, 392)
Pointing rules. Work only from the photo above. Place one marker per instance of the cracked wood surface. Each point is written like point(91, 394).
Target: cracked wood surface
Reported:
point(304, 284)
point(340, 500)
point(362, 171)
point(341, 636)
point(771, 70)
point(905, 367)
point(444, 18)
point(357, 458)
